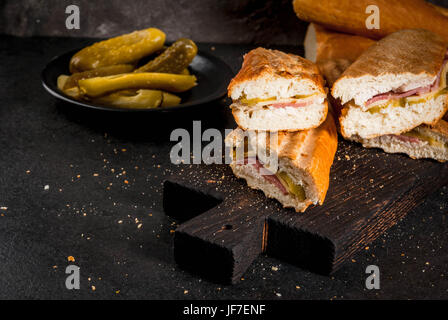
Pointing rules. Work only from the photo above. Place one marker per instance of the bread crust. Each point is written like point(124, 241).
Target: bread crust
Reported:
point(316, 156)
point(404, 52)
point(332, 45)
point(440, 127)
point(263, 62)
point(311, 151)
point(349, 16)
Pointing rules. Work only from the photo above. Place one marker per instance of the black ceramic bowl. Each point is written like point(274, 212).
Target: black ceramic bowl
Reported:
point(212, 73)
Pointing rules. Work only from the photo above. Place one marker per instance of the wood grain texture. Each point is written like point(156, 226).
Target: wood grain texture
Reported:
point(370, 191)
point(364, 200)
point(221, 243)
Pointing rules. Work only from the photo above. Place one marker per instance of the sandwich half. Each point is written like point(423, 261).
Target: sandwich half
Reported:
point(301, 176)
point(277, 91)
point(396, 85)
point(323, 44)
point(421, 142)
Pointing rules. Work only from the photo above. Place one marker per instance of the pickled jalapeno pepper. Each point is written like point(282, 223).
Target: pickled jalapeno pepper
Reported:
point(124, 49)
point(72, 91)
point(139, 99)
point(99, 86)
point(175, 59)
point(133, 99)
point(72, 81)
point(170, 100)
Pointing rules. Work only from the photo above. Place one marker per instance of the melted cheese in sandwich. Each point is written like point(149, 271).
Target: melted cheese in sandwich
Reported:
point(252, 102)
point(402, 102)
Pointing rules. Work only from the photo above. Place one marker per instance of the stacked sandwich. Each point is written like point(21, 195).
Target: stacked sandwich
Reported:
point(394, 95)
point(389, 94)
point(283, 96)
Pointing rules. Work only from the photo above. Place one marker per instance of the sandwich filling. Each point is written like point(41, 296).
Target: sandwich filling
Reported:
point(281, 180)
point(393, 99)
point(416, 136)
point(297, 101)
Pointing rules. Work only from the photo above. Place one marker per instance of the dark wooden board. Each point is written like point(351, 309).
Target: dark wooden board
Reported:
point(369, 192)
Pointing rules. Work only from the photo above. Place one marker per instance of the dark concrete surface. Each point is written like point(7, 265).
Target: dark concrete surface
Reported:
point(95, 219)
point(229, 21)
point(218, 21)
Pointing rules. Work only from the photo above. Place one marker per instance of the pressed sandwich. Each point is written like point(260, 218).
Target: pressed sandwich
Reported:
point(301, 176)
point(396, 85)
point(421, 142)
point(277, 91)
point(424, 141)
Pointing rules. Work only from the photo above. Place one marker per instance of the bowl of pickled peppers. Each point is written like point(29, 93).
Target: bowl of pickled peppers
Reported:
point(137, 71)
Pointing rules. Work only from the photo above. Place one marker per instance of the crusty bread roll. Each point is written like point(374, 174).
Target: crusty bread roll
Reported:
point(421, 142)
point(394, 86)
point(442, 10)
point(350, 16)
point(305, 157)
point(324, 44)
point(276, 91)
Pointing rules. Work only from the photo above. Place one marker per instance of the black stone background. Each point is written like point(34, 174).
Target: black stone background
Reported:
point(219, 21)
point(79, 216)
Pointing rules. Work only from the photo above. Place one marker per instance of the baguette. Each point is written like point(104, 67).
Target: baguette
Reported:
point(304, 161)
point(323, 44)
point(394, 86)
point(421, 142)
point(350, 17)
point(276, 91)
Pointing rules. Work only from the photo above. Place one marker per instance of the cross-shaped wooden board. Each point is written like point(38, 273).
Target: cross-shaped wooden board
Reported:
point(225, 225)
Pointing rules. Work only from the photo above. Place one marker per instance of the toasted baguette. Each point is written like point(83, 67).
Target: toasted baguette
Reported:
point(433, 143)
point(280, 119)
point(350, 16)
point(266, 73)
point(442, 10)
point(332, 69)
point(404, 60)
point(306, 156)
point(324, 44)
point(277, 83)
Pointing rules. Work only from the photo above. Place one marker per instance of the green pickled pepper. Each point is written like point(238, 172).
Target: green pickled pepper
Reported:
point(125, 49)
point(175, 59)
point(72, 81)
point(139, 99)
point(99, 86)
